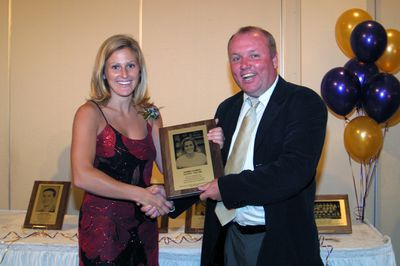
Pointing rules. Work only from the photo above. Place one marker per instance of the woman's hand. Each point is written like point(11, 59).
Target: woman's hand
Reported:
point(152, 210)
point(216, 135)
point(157, 189)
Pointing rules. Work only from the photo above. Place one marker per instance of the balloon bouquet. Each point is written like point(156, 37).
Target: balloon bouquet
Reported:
point(364, 88)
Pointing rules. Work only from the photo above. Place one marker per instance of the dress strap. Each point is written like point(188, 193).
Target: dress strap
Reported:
point(101, 111)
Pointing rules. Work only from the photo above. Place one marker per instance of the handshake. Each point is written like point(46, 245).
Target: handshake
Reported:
point(154, 203)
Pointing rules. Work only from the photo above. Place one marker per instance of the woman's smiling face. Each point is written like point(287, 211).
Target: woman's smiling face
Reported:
point(122, 72)
point(188, 146)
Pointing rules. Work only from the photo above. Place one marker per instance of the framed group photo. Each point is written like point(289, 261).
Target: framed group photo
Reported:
point(189, 159)
point(47, 205)
point(332, 214)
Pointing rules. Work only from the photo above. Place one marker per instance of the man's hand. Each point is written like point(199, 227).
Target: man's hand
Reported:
point(216, 135)
point(210, 191)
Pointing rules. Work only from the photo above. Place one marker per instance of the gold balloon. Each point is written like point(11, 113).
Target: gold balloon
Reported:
point(390, 59)
point(345, 25)
point(393, 120)
point(363, 138)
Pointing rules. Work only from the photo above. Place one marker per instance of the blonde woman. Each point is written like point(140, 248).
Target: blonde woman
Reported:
point(114, 144)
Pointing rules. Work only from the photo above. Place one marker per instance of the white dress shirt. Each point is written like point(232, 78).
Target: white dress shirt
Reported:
point(251, 215)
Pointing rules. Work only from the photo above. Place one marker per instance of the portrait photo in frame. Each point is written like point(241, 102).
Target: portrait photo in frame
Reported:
point(188, 158)
point(194, 220)
point(47, 205)
point(332, 214)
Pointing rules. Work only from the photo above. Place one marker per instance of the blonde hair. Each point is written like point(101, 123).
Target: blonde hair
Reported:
point(99, 87)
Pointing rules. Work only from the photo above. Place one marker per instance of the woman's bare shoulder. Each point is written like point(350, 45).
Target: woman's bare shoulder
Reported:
point(88, 113)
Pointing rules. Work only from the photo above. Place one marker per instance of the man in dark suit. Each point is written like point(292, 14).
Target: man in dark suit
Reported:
point(272, 193)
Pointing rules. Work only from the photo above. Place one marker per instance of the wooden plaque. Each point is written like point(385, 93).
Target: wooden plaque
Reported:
point(47, 205)
point(332, 214)
point(189, 159)
point(195, 215)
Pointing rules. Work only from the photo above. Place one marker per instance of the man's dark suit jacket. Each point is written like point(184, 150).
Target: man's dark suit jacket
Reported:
point(287, 149)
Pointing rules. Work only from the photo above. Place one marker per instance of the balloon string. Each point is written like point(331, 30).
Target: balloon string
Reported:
point(355, 186)
point(367, 173)
point(362, 190)
point(326, 246)
point(376, 159)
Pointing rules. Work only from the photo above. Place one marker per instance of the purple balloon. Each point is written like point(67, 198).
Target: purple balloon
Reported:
point(341, 90)
point(368, 41)
point(381, 97)
point(363, 71)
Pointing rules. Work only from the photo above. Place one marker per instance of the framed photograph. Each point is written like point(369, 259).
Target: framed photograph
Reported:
point(47, 205)
point(188, 158)
point(162, 222)
point(194, 221)
point(332, 214)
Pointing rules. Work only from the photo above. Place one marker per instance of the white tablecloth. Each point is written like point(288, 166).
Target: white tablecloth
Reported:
point(19, 246)
point(366, 246)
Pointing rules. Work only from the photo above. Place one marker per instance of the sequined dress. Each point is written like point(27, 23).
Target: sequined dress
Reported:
point(116, 232)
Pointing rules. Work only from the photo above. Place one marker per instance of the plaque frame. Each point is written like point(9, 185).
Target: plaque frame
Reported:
point(162, 222)
point(332, 214)
point(194, 220)
point(183, 182)
point(40, 216)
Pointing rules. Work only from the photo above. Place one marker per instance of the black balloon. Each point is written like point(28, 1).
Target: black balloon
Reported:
point(341, 90)
point(381, 97)
point(368, 41)
point(363, 71)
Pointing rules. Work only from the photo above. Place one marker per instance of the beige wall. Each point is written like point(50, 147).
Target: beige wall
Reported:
point(4, 106)
point(53, 44)
point(185, 47)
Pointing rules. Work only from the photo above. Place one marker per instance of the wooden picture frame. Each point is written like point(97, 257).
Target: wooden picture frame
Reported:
point(47, 205)
point(194, 220)
point(162, 222)
point(332, 214)
point(189, 159)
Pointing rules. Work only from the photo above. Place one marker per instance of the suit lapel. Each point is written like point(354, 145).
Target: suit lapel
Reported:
point(271, 111)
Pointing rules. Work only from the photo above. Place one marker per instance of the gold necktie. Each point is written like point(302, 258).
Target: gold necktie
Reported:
point(238, 156)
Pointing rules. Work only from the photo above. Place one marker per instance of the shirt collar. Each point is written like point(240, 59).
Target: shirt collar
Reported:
point(264, 98)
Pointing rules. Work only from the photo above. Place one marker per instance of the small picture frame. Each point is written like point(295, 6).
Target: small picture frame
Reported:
point(162, 222)
point(47, 205)
point(332, 214)
point(194, 220)
point(189, 159)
